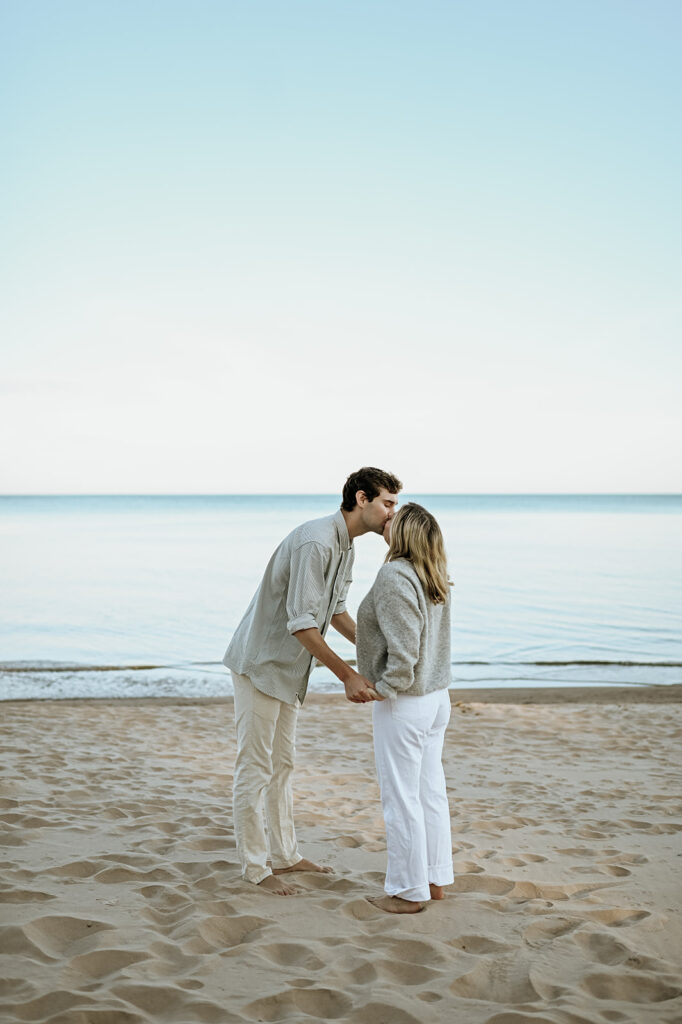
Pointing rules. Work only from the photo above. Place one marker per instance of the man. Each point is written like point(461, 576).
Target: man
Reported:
point(271, 654)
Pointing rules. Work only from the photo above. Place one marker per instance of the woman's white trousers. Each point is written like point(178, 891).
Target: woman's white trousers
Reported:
point(408, 748)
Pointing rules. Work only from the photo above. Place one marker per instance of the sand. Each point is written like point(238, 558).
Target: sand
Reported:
point(122, 899)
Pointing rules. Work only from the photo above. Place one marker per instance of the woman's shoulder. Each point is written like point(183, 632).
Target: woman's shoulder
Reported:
point(397, 572)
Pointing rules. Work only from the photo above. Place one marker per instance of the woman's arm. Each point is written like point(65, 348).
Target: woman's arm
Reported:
point(400, 620)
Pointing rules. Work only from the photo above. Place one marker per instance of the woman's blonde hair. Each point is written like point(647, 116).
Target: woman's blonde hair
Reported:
point(416, 535)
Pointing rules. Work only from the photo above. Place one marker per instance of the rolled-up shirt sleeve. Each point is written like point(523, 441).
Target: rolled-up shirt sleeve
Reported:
point(400, 620)
point(305, 593)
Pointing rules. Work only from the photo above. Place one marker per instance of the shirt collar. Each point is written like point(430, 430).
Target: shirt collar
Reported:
point(342, 530)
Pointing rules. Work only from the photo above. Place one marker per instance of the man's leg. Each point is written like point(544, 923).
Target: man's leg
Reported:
point(279, 799)
point(256, 719)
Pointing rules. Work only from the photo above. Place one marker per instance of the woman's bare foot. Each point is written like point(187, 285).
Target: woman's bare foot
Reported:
point(272, 884)
point(395, 905)
point(436, 891)
point(303, 865)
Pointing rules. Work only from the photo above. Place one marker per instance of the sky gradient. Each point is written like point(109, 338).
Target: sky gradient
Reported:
point(249, 247)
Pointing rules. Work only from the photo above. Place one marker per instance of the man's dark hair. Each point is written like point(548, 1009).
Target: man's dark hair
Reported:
point(370, 480)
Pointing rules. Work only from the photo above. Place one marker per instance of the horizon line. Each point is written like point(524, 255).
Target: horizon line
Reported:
point(334, 494)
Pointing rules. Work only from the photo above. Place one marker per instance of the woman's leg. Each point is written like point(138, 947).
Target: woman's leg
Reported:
point(434, 800)
point(398, 744)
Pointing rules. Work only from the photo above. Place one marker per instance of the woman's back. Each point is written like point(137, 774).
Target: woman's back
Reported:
point(403, 637)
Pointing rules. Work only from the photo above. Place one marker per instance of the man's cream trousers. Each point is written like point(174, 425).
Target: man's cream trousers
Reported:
point(408, 746)
point(266, 735)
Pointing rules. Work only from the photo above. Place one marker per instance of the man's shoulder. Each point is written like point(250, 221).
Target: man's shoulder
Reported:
point(320, 531)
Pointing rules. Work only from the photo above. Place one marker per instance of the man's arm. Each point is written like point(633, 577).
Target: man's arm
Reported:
point(345, 625)
point(358, 689)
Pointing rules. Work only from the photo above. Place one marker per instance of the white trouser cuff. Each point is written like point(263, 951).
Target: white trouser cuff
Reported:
point(419, 894)
point(279, 864)
point(255, 875)
point(441, 874)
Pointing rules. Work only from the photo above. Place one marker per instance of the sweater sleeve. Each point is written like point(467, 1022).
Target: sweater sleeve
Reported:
point(401, 622)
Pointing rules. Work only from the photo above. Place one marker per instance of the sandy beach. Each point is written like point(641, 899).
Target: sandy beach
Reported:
point(122, 899)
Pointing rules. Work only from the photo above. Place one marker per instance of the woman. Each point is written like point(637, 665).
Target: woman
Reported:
point(403, 645)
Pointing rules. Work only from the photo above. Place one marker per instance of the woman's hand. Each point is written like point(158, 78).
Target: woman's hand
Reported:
point(358, 689)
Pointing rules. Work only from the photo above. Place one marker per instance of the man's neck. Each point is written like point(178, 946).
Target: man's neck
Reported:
point(353, 523)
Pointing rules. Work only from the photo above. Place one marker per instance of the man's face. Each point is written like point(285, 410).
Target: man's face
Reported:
point(377, 513)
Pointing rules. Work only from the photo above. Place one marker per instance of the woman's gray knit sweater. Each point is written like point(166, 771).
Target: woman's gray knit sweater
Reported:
point(403, 639)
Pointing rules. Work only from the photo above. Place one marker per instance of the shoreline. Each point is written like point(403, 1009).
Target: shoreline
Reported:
point(634, 693)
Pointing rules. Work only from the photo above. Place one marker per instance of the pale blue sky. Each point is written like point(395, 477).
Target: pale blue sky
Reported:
point(251, 246)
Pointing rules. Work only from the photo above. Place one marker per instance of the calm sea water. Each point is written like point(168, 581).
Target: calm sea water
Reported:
point(138, 596)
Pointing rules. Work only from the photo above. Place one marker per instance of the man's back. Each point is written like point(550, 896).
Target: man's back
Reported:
point(304, 584)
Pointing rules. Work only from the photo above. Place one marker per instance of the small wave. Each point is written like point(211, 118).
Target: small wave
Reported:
point(562, 664)
point(50, 666)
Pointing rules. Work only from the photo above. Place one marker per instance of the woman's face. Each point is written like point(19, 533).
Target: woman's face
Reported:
point(387, 531)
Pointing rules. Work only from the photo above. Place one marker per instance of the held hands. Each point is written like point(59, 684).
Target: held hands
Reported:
point(359, 690)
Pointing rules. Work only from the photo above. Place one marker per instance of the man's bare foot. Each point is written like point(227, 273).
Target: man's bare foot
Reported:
point(303, 865)
point(272, 884)
point(436, 891)
point(395, 905)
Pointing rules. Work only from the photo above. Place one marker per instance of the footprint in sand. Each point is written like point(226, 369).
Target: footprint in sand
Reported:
point(225, 933)
point(98, 964)
point(466, 867)
point(211, 845)
point(56, 935)
point(505, 980)
point(354, 970)
point(168, 1002)
point(615, 917)
point(539, 933)
point(60, 1006)
point(348, 842)
point(17, 896)
point(653, 828)
point(630, 988)
point(77, 869)
point(288, 954)
point(361, 910)
point(603, 948)
point(479, 944)
point(419, 952)
point(510, 1017)
point(114, 876)
point(490, 885)
point(521, 860)
point(317, 1003)
point(329, 883)
point(405, 972)
point(383, 1013)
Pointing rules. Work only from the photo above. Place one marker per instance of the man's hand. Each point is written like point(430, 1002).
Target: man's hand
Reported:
point(358, 689)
